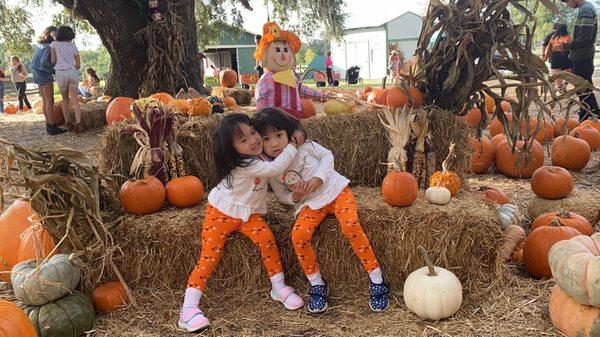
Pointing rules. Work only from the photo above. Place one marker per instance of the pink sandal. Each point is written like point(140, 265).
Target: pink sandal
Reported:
point(288, 297)
point(193, 320)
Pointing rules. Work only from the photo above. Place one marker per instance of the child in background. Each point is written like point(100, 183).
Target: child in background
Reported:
point(19, 75)
point(91, 84)
point(316, 190)
point(65, 57)
point(236, 204)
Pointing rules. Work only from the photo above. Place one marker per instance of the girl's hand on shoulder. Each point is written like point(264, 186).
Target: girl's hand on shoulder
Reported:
point(298, 138)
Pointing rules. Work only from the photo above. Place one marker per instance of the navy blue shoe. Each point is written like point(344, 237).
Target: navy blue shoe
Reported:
point(379, 296)
point(318, 299)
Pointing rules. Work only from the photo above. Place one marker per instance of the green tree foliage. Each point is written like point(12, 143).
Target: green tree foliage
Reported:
point(15, 31)
point(545, 18)
point(97, 59)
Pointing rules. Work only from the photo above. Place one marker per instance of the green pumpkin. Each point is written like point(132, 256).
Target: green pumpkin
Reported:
point(69, 316)
point(53, 280)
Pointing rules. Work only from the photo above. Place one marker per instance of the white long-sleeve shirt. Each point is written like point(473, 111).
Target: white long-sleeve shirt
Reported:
point(248, 192)
point(312, 160)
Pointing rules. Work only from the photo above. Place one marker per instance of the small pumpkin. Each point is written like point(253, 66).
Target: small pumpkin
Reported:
point(496, 127)
point(308, 108)
point(14, 322)
point(163, 97)
point(228, 78)
point(119, 110)
point(509, 215)
point(69, 316)
point(230, 102)
point(495, 194)
point(335, 106)
point(438, 195)
point(179, 106)
point(538, 244)
point(199, 107)
point(570, 152)
point(367, 89)
point(399, 189)
point(482, 156)
point(13, 222)
point(142, 196)
point(11, 109)
point(184, 191)
point(36, 243)
point(559, 127)
point(432, 292)
point(572, 318)
point(37, 283)
point(517, 254)
point(593, 122)
point(446, 178)
point(570, 219)
point(109, 297)
point(589, 134)
point(473, 117)
point(520, 164)
point(378, 96)
point(59, 117)
point(551, 182)
point(416, 97)
point(396, 97)
point(514, 236)
point(545, 133)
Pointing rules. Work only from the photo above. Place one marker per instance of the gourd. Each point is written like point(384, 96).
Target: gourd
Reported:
point(69, 316)
point(308, 108)
point(589, 134)
point(509, 215)
point(199, 107)
point(163, 97)
point(336, 106)
point(36, 243)
point(447, 178)
point(228, 78)
point(438, 195)
point(482, 156)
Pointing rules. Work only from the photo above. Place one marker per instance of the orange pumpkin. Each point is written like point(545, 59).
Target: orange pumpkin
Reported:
point(589, 134)
point(445, 177)
point(571, 318)
point(142, 196)
point(416, 96)
point(378, 96)
point(572, 123)
point(179, 106)
point(496, 127)
point(119, 110)
point(517, 254)
point(538, 244)
point(570, 152)
point(520, 164)
point(481, 158)
point(551, 182)
point(308, 108)
point(497, 139)
point(473, 117)
point(109, 297)
point(163, 97)
point(506, 107)
point(367, 89)
point(228, 78)
point(569, 219)
point(362, 95)
point(59, 117)
point(14, 322)
point(490, 104)
point(544, 135)
point(11, 109)
point(199, 107)
point(594, 122)
point(399, 189)
point(397, 97)
point(36, 243)
point(230, 102)
point(185, 191)
point(495, 194)
point(13, 222)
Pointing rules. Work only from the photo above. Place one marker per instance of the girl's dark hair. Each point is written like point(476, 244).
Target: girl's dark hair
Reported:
point(92, 73)
point(65, 34)
point(46, 37)
point(225, 155)
point(272, 119)
point(562, 30)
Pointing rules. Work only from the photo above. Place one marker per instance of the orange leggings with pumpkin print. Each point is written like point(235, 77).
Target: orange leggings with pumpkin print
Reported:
point(344, 209)
point(216, 229)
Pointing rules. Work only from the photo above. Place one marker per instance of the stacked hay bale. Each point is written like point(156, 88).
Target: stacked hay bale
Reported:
point(93, 114)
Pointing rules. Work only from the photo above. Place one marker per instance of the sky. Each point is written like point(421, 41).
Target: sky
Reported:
point(362, 13)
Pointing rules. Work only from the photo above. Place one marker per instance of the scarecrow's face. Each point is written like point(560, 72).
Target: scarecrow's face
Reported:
point(278, 57)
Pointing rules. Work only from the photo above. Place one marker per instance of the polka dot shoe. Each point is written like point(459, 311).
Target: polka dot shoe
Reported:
point(318, 299)
point(379, 296)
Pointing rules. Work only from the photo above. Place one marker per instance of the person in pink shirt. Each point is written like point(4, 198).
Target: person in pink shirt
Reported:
point(329, 69)
point(278, 87)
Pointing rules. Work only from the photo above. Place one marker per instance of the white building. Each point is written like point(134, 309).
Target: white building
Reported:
point(369, 47)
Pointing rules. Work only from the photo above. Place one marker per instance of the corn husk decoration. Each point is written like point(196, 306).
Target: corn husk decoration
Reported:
point(421, 158)
point(398, 134)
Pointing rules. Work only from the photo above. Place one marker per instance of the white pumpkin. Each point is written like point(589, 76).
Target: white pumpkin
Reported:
point(509, 215)
point(438, 195)
point(334, 106)
point(432, 292)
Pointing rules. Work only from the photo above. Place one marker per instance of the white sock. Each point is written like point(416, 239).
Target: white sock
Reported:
point(316, 279)
point(278, 281)
point(376, 276)
point(192, 298)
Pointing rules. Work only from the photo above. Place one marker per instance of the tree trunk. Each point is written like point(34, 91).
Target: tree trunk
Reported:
point(130, 37)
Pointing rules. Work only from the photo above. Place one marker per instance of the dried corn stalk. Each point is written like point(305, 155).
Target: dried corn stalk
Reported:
point(398, 134)
point(423, 160)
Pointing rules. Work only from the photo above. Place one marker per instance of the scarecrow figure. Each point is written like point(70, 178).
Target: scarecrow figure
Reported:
point(278, 86)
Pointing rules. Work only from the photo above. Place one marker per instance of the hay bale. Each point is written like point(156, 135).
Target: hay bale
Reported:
point(358, 141)
point(580, 201)
point(93, 114)
point(241, 96)
point(463, 236)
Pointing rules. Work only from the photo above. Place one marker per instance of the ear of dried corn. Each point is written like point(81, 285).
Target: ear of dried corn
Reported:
point(398, 133)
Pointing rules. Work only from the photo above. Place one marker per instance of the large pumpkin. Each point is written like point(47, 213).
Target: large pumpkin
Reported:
point(14, 322)
point(551, 182)
point(481, 158)
point(69, 316)
point(575, 266)
point(38, 284)
point(163, 97)
point(520, 164)
point(142, 196)
point(570, 219)
point(396, 97)
point(110, 297)
point(572, 318)
point(538, 244)
point(559, 127)
point(473, 117)
point(570, 152)
point(36, 243)
point(589, 134)
point(119, 110)
point(308, 108)
point(13, 222)
point(378, 96)
point(185, 191)
point(399, 189)
point(228, 78)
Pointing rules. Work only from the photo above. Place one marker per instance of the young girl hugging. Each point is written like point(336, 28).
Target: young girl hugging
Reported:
point(65, 57)
point(316, 190)
point(236, 204)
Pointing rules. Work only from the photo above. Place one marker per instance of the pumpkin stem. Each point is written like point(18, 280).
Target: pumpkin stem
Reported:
point(564, 214)
point(449, 158)
point(428, 261)
point(556, 223)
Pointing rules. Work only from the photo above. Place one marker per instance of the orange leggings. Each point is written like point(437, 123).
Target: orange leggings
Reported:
point(344, 209)
point(216, 229)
